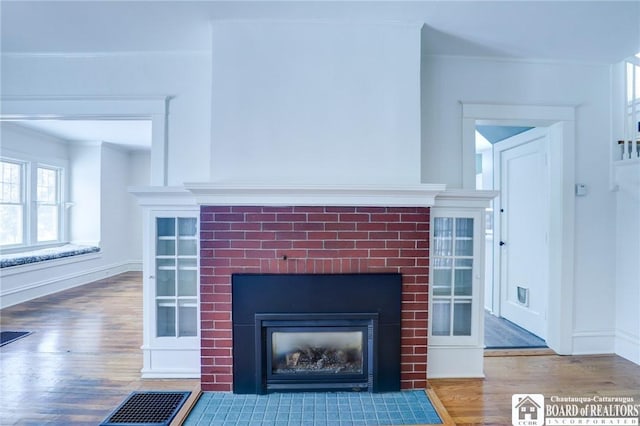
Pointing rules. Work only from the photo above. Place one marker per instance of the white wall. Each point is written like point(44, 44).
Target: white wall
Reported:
point(115, 226)
point(628, 261)
point(86, 212)
point(315, 102)
point(33, 143)
point(139, 172)
point(184, 76)
point(448, 81)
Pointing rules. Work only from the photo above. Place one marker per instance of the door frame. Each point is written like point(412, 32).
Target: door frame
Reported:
point(499, 262)
point(560, 121)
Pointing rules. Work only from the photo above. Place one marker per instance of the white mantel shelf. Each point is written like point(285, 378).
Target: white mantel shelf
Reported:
point(464, 198)
point(419, 195)
point(214, 194)
point(148, 196)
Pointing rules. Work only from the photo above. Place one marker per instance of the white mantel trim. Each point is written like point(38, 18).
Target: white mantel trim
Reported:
point(211, 194)
point(463, 198)
point(150, 196)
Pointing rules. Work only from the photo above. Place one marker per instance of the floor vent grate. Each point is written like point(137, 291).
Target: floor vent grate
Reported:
point(147, 408)
point(7, 337)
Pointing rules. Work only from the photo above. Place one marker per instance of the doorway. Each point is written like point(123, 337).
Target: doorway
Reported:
point(560, 122)
point(513, 161)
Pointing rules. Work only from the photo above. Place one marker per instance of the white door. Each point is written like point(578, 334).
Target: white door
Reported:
point(523, 224)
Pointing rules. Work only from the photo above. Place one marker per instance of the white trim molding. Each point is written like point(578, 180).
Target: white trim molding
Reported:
point(462, 198)
point(459, 362)
point(560, 121)
point(627, 346)
point(418, 195)
point(170, 362)
point(593, 342)
point(154, 196)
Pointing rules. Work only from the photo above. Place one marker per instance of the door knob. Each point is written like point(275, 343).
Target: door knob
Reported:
point(502, 243)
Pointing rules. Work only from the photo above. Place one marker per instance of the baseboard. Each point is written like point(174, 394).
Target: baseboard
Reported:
point(171, 363)
point(454, 362)
point(169, 374)
point(593, 342)
point(56, 277)
point(134, 266)
point(628, 346)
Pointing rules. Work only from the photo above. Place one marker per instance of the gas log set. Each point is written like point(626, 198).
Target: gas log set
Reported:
point(320, 360)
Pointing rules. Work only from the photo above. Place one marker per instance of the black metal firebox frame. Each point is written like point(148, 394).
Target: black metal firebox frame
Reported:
point(369, 300)
point(265, 324)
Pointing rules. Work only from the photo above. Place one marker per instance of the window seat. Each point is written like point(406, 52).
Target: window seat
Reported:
point(40, 255)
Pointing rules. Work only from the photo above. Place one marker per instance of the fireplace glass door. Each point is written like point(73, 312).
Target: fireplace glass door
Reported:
point(316, 351)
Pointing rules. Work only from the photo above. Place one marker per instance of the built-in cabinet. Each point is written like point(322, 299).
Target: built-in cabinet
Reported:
point(456, 325)
point(171, 283)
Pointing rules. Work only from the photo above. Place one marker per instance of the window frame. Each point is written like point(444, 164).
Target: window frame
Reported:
point(23, 199)
point(57, 203)
point(632, 96)
point(30, 165)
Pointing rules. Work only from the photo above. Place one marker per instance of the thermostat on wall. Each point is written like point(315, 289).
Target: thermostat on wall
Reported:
point(581, 189)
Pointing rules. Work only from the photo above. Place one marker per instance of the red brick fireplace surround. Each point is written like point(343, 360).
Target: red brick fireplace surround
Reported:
point(241, 239)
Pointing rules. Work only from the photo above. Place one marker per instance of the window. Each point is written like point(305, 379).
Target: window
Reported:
point(11, 203)
point(31, 204)
point(629, 145)
point(632, 98)
point(47, 204)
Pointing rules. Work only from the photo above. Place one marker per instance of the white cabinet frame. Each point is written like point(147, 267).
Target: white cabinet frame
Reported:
point(460, 355)
point(170, 356)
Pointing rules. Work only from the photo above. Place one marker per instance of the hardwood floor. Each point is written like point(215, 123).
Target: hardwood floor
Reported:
point(488, 401)
point(84, 358)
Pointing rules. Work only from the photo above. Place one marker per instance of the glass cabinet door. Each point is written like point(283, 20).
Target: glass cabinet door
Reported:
point(452, 278)
point(176, 264)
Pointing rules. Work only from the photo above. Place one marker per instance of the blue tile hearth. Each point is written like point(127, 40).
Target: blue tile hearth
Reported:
point(314, 409)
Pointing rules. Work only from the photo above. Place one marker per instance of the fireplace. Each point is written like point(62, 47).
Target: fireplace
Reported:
point(297, 332)
point(310, 241)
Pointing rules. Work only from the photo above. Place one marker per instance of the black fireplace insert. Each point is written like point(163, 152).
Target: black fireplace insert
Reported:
point(301, 332)
point(316, 351)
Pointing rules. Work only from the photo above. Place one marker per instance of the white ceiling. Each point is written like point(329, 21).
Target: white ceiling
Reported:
point(583, 31)
point(592, 31)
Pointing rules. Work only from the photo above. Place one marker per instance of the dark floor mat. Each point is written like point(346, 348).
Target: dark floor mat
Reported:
point(7, 337)
point(147, 408)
